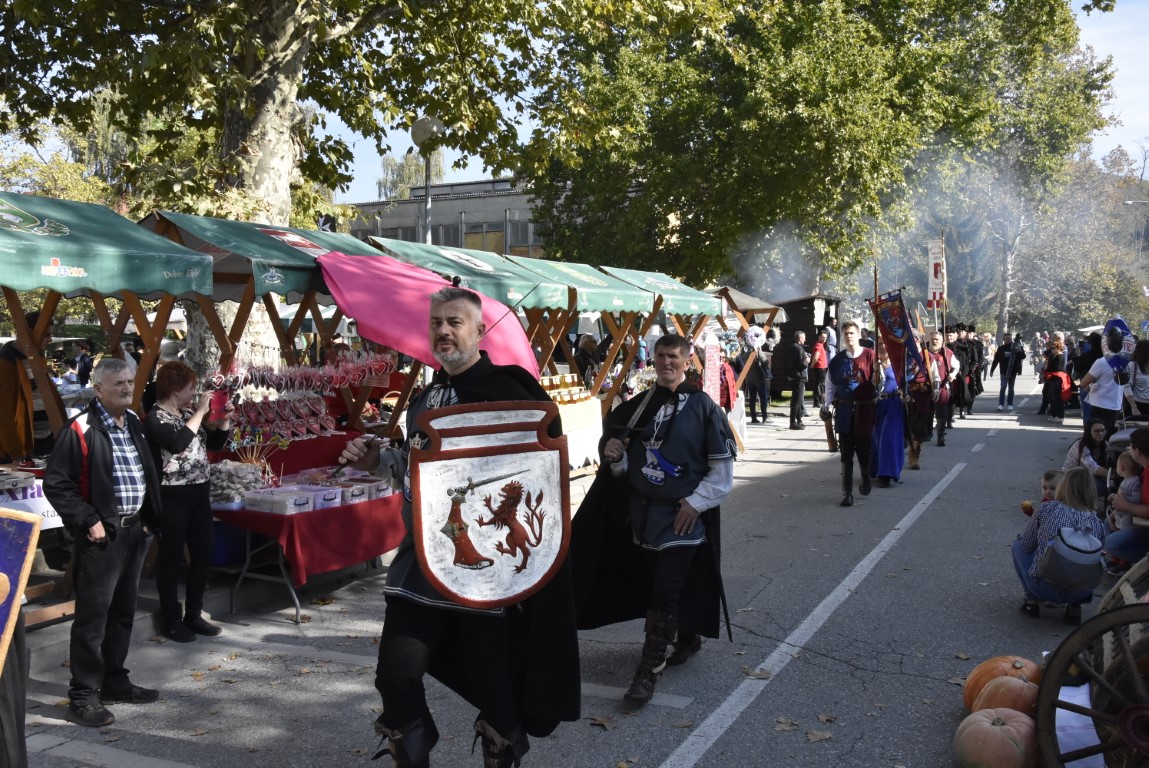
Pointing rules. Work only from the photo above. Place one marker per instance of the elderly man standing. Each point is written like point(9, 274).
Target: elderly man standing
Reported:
point(101, 480)
point(517, 665)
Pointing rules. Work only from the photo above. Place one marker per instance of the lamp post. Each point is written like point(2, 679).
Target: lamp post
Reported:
point(425, 133)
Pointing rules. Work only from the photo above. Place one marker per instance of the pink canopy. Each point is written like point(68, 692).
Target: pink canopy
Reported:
point(390, 302)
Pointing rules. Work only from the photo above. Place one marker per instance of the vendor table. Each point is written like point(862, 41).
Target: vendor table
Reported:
point(319, 541)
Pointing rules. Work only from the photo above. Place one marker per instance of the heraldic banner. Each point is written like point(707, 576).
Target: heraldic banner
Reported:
point(490, 499)
point(893, 323)
point(19, 532)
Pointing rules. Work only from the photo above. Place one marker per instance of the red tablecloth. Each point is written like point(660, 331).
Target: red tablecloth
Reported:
point(327, 539)
point(321, 451)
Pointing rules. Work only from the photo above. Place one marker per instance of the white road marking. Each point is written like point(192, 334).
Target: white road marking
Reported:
point(992, 432)
point(703, 737)
point(977, 448)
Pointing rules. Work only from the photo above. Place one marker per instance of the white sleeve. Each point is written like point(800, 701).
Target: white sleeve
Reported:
point(715, 486)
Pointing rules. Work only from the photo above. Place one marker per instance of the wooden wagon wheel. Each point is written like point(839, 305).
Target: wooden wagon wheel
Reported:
point(1110, 651)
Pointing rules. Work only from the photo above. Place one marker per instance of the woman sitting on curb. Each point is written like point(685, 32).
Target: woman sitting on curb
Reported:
point(1072, 507)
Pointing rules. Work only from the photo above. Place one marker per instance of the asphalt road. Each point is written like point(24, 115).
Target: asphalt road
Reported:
point(852, 629)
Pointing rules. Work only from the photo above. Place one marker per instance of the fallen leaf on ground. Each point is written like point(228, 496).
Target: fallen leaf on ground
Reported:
point(682, 724)
point(785, 724)
point(812, 736)
point(824, 718)
point(304, 619)
point(216, 668)
point(197, 675)
point(199, 732)
point(110, 739)
point(756, 674)
point(229, 680)
point(956, 681)
point(304, 671)
point(961, 655)
point(323, 601)
point(602, 721)
point(744, 610)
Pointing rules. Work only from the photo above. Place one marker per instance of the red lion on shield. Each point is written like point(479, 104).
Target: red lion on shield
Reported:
point(506, 515)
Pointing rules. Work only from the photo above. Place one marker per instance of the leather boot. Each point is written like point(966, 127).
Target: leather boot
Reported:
point(847, 484)
point(864, 485)
point(409, 747)
point(915, 454)
point(941, 432)
point(660, 629)
point(501, 751)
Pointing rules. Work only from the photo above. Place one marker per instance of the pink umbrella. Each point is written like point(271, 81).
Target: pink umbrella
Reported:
point(390, 302)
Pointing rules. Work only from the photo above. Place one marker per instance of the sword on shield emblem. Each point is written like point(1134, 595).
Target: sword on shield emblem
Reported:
point(455, 529)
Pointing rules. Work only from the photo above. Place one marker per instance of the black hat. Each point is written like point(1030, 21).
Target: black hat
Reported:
point(960, 327)
point(949, 329)
point(971, 329)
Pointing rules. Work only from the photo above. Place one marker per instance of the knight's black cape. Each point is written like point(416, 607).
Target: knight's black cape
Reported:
point(612, 574)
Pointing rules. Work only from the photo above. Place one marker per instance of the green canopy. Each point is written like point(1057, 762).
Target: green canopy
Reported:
point(677, 298)
point(72, 248)
point(595, 290)
point(281, 260)
point(488, 273)
point(334, 241)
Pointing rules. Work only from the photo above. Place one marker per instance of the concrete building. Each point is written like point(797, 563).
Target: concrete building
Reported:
point(489, 215)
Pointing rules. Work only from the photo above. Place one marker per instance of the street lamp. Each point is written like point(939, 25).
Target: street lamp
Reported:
point(425, 133)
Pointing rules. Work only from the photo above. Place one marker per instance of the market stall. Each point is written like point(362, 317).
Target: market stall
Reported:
point(687, 310)
point(626, 311)
point(81, 249)
point(747, 310)
point(545, 303)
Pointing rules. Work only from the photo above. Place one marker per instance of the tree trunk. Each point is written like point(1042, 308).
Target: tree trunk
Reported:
point(1009, 244)
point(258, 138)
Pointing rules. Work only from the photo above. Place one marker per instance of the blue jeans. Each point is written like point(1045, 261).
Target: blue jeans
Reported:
point(1040, 589)
point(1129, 544)
point(1006, 397)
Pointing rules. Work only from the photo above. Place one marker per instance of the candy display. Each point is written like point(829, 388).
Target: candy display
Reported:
point(231, 480)
point(289, 402)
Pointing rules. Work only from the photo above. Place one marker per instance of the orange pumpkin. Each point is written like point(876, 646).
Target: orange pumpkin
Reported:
point(991, 669)
point(996, 738)
point(1008, 693)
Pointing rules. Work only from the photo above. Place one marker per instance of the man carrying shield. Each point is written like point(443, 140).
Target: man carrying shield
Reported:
point(646, 538)
point(518, 665)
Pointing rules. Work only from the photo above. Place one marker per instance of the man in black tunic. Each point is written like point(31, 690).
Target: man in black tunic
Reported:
point(518, 666)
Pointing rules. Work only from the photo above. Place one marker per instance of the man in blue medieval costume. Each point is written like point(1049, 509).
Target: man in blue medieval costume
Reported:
point(645, 541)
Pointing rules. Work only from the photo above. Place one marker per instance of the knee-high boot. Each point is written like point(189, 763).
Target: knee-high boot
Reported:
point(864, 486)
point(501, 751)
point(848, 483)
point(660, 630)
point(915, 454)
point(409, 747)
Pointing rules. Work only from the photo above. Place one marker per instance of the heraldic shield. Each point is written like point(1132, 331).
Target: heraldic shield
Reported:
point(490, 499)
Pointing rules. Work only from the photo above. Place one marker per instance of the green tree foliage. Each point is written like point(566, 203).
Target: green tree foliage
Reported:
point(807, 129)
point(237, 73)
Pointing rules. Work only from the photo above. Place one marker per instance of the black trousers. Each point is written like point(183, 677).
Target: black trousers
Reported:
point(818, 385)
point(755, 394)
point(106, 580)
point(797, 400)
point(187, 521)
point(850, 445)
point(670, 567)
point(1052, 392)
point(411, 634)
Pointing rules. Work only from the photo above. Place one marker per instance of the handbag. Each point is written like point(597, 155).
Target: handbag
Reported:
point(1073, 560)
